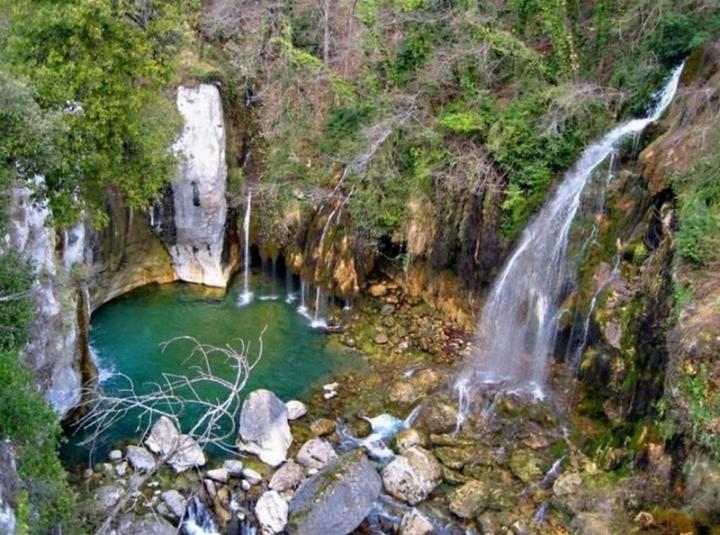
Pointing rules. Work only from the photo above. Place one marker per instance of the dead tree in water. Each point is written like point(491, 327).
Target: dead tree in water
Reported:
point(173, 397)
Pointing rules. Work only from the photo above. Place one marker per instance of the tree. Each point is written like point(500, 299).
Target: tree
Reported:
point(103, 69)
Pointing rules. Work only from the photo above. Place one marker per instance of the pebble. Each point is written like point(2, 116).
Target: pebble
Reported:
point(251, 476)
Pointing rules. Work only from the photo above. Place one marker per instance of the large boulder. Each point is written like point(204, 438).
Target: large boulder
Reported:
point(412, 476)
point(264, 429)
point(272, 512)
point(337, 499)
point(165, 439)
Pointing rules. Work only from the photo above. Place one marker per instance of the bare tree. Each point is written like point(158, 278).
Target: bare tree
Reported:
point(174, 396)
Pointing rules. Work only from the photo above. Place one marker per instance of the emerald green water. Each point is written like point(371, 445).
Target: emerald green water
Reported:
point(127, 333)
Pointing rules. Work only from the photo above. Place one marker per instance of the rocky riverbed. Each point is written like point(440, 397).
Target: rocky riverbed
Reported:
point(380, 452)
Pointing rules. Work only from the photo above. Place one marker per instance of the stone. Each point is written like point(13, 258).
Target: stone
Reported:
point(414, 523)
point(525, 466)
point(233, 467)
point(359, 427)
point(189, 455)
point(469, 500)
point(407, 438)
point(175, 503)
point(593, 524)
point(140, 459)
point(387, 310)
point(264, 429)
point(288, 477)
point(121, 469)
point(115, 455)
point(322, 427)
point(245, 485)
point(336, 499)
point(220, 475)
point(438, 417)
point(107, 496)
point(165, 439)
point(412, 476)
point(210, 487)
point(88, 473)
point(272, 512)
point(454, 458)
point(378, 290)
point(381, 338)
point(316, 453)
point(567, 484)
point(251, 476)
point(295, 409)
point(150, 524)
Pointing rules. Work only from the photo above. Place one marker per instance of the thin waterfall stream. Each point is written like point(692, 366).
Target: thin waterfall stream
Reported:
point(519, 320)
point(246, 295)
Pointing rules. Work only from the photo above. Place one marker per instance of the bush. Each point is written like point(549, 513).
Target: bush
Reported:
point(698, 192)
point(33, 427)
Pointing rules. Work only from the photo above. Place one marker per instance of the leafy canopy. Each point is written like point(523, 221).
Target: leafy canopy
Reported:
point(103, 68)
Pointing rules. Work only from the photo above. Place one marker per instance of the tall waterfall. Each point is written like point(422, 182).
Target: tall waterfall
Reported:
point(246, 295)
point(519, 321)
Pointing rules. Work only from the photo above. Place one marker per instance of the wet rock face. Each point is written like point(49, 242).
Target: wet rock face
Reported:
point(125, 254)
point(264, 429)
point(336, 499)
point(199, 204)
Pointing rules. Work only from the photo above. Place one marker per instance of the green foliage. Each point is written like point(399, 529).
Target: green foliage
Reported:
point(548, 18)
point(103, 67)
point(698, 192)
point(462, 122)
point(34, 429)
point(701, 403)
point(15, 314)
point(343, 123)
point(529, 153)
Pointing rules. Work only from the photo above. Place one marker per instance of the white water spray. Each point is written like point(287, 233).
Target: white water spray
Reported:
point(519, 321)
point(246, 296)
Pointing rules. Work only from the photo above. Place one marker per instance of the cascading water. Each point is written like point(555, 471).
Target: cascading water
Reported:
point(290, 294)
point(519, 321)
point(246, 295)
point(319, 318)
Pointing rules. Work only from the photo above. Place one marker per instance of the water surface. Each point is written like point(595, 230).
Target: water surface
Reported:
point(127, 334)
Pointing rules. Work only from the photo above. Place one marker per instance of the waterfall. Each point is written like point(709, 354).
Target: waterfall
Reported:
point(199, 519)
point(198, 192)
point(290, 295)
point(319, 320)
point(246, 296)
point(519, 320)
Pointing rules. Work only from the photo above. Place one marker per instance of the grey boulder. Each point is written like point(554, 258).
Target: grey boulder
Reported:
point(337, 499)
point(264, 429)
